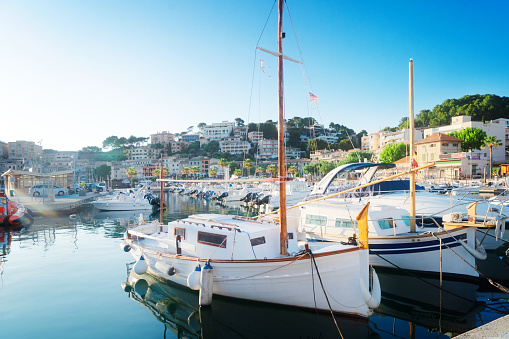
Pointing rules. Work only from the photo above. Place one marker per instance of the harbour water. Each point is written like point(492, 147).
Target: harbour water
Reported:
point(68, 278)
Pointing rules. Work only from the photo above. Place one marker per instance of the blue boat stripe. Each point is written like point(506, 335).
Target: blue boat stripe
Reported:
point(435, 242)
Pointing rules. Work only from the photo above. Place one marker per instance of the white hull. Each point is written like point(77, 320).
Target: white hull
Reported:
point(285, 281)
point(113, 205)
point(422, 252)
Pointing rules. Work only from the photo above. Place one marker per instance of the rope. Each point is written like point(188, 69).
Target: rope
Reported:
point(494, 283)
point(324, 292)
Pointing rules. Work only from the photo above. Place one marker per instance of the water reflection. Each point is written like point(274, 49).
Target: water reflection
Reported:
point(177, 308)
point(419, 300)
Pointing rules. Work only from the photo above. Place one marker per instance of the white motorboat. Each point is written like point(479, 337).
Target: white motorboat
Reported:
point(123, 202)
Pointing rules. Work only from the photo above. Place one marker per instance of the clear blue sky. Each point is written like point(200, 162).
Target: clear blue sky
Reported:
point(75, 72)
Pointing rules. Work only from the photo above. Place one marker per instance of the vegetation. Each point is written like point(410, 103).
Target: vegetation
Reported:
point(484, 107)
point(157, 172)
point(102, 172)
point(491, 142)
point(394, 152)
point(131, 172)
point(473, 138)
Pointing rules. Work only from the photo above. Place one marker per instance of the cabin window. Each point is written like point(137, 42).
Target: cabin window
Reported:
point(313, 219)
point(180, 231)
point(345, 223)
point(290, 236)
point(386, 223)
point(257, 241)
point(212, 239)
point(406, 219)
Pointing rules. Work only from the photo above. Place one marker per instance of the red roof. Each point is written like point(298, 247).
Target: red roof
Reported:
point(438, 137)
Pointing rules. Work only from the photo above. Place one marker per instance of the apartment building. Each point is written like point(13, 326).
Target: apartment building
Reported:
point(255, 137)
point(27, 150)
point(268, 149)
point(234, 146)
point(218, 131)
point(164, 138)
point(142, 153)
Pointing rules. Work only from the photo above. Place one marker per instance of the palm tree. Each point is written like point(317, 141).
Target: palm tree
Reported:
point(223, 163)
point(259, 170)
point(186, 171)
point(194, 170)
point(238, 172)
point(272, 169)
point(157, 172)
point(213, 172)
point(131, 172)
point(293, 170)
point(491, 142)
point(248, 164)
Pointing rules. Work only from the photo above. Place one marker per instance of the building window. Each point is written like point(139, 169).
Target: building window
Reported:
point(432, 156)
point(455, 145)
point(445, 144)
point(424, 157)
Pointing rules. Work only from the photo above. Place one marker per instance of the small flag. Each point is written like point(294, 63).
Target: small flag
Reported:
point(312, 97)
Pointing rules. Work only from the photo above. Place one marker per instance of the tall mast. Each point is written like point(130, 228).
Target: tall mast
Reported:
point(412, 143)
point(281, 137)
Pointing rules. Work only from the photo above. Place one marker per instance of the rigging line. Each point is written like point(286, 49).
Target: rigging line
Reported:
point(325, 293)
point(355, 150)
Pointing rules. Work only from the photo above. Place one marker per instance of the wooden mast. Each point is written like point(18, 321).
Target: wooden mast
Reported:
point(412, 144)
point(162, 193)
point(281, 137)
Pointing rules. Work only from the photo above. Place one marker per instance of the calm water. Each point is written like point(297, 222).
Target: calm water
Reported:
point(68, 278)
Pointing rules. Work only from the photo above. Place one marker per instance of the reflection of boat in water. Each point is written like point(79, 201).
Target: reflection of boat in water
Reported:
point(177, 307)
point(418, 299)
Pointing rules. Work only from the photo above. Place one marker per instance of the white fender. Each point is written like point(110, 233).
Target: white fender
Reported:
point(141, 266)
point(193, 279)
point(479, 253)
point(372, 299)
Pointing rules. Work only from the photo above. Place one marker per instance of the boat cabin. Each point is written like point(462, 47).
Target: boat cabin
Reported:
point(219, 237)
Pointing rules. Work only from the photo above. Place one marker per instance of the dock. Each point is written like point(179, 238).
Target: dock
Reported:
point(495, 329)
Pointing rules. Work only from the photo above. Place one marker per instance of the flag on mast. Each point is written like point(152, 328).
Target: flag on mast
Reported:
point(312, 97)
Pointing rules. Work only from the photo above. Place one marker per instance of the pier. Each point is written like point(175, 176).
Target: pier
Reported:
point(498, 328)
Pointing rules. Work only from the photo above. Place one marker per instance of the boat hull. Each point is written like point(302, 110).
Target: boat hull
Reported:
point(422, 252)
point(121, 206)
point(285, 281)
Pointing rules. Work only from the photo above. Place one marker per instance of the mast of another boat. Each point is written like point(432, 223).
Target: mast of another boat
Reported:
point(281, 137)
point(412, 144)
point(162, 192)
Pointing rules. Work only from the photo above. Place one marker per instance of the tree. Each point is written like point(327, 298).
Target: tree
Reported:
point(238, 172)
point(157, 172)
point(473, 138)
point(345, 145)
point(223, 163)
point(354, 157)
point(491, 142)
point(239, 122)
point(293, 170)
point(201, 125)
point(325, 167)
point(185, 171)
point(272, 170)
point(248, 164)
point(394, 152)
point(213, 172)
point(91, 149)
point(131, 172)
point(102, 171)
point(259, 170)
point(317, 144)
point(194, 170)
point(110, 142)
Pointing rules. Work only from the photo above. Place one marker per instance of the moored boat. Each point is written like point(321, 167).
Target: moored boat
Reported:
point(13, 214)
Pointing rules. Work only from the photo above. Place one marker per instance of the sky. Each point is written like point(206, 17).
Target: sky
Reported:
point(74, 72)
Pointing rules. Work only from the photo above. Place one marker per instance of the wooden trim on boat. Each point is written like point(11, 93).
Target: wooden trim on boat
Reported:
point(285, 259)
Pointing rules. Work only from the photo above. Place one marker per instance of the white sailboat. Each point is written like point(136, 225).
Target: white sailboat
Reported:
point(261, 261)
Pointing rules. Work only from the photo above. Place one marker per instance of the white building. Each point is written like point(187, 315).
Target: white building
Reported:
point(218, 131)
point(495, 128)
point(234, 146)
point(255, 136)
point(143, 153)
